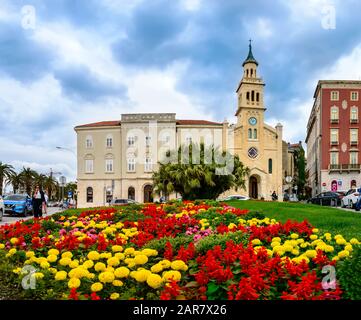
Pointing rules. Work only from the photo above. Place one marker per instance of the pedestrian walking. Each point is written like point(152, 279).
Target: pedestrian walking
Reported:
point(45, 204)
point(38, 201)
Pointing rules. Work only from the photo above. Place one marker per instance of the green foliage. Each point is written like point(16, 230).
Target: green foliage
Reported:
point(349, 275)
point(215, 219)
point(50, 225)
point(254, 214)
point(196, 176)
point(208, 243)
point(159, 244)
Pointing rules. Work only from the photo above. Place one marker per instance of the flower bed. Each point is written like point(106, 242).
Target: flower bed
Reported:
point(172, 251)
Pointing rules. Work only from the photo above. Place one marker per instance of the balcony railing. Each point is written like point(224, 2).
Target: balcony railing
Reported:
point(344, 167)
point(334, 143)
point(353, 120)
point(334, 120)
point(354, 143)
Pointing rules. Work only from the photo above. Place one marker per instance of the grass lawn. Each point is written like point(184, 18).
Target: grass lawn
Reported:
point(347, 223)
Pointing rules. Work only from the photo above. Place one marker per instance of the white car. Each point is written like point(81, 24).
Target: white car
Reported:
point(2, 208)
point(235, 197)
point(350, 198)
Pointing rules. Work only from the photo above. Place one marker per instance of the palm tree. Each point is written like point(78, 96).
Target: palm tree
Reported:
point(6, 170)
point(16, 181)
point(28, 177)
point(50, 185)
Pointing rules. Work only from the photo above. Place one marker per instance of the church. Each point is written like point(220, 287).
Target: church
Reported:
point(259, 145)
point(116, 159)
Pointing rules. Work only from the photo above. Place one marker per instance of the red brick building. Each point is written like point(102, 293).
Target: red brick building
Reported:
point(333, 136)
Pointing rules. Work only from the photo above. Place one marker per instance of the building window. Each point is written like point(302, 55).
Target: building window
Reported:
point(131, 141)
point(148, 140)
point(334, 113)
point(89, 142)
point(131, 165)
point(89, 195)
point(249, 133)
point(354, 114)
point(354, 96)
point(148, 165)
point(334, 158)
point(247, 96)
point(252, 152)
point(131, 193)
point(353, 157)
point(252, 95)
point(353, 184)
point(188, 140)
point(109, 141)
point(270, 166)
point(109, 165)
point(254, 133)
point(89, 166)
point(334, 95)
point(257, 96)
point(354, 136)
point(334, 136)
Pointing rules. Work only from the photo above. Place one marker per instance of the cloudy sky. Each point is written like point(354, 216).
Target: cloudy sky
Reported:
point(70, 62)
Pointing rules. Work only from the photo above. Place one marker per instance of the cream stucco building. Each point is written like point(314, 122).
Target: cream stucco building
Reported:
point(116, 158)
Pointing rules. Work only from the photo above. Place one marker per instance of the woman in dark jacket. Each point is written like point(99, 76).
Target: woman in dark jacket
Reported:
point(38, 201)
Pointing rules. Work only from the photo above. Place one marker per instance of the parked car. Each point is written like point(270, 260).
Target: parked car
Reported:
point(2, 208)
point(235, 197)
point(327, 198)
point(350, 198)
point(122, 202)
point(18, 204)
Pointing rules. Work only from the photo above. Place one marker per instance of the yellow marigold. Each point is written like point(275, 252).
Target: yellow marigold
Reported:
point(97, 286)
point(338, 236)
point(141, 275)
point(310, 253)
point(121, 272)
point(276, 239)
point(117, 248)
point(150, 252)
point(315, 230)
point(78, 272)
point(30, 254)
point(17, 270)
point(45, 265)
point(61, 275)
point(288, 248)
point(53, 270)
point(93, 255)
point(304, 245)
point(156, 268)
point(74, 283)
point(117, 283)
point(74, 264)
point(294, 236)
point(341, 241)
point(336, 258)
point(275, 243)
point(2, 246)
point(295, 252)
point(88, 264)
point(348, 247)
point(65, 261)
point(53, 252)
point(172, 275)
point(354, 241)
point(313, 237)
point(256, 242)
point(113, 262)
point(52, 258)
point(179, 265)
point(165, 263)
point(120, 255)
point(14, 240)
point(299, 241)
point(329, 249)
point(106, 277)
point(12, 252)
point(39, 275)
point(154, 280)
point(105, 255)
point(67, 254)
point(129, 251)
point(114, 296)
point(99, 266)
point(140, 259)
point(343, 254)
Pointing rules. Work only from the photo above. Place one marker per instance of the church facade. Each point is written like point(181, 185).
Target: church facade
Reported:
point(116, 158)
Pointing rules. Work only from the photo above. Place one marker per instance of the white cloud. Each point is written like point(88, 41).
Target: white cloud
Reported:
point(192, 5)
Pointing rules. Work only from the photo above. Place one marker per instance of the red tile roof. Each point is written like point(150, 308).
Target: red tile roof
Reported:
point(197, 122)
point(100, 124)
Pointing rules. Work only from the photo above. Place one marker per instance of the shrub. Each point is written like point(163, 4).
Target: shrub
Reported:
point(349, 275)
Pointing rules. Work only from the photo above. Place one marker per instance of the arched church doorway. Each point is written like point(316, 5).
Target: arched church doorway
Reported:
point(253, 187)
point(148, 193)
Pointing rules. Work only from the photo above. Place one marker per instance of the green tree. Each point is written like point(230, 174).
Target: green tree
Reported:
point(300, 164)
point(50, 185)
point(199, 179)
point(16, 181)
point(6, 171)
point(28, 177)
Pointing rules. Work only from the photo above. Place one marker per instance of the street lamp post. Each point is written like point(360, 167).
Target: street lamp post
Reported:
point(67, 149)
